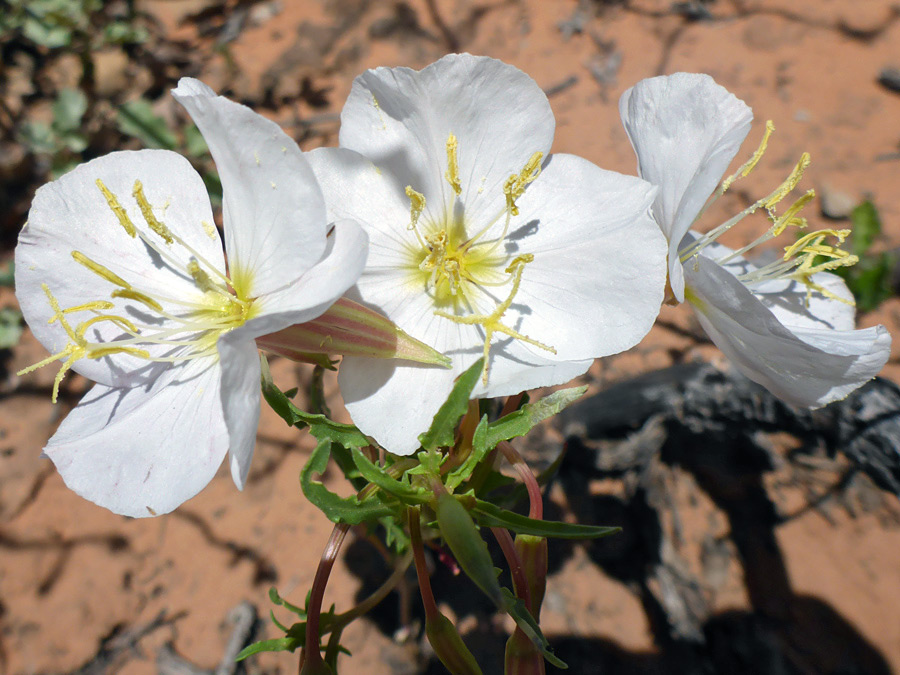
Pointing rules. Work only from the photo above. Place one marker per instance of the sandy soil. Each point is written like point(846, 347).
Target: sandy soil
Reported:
point(75, 580)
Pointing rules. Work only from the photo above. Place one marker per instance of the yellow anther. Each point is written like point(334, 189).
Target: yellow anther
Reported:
point(751, 163)
point(131, 294)
point(200, 277)
point(789, 183)
point(515, 185)
point(120, 321)
point(452, 174)
point(147, 211)
point(789, 217)
point(96, 306)
point(492, 322)
point(117, 209)
point(416, 206)
point(814, 239)
point(100, 270)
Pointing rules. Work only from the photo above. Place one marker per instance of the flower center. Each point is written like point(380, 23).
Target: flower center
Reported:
point(189, 328)
point(458, 270)
point(807, 256)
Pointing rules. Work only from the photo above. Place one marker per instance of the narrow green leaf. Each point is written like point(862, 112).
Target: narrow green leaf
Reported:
point(440, 435)
point(284, 644)
point(480, 449)
point(337, 509)
point(866, 226)
point(515, 607)
point(530, 415)
point(489, 515)
point(278, 600)
point(136, 118)
point(378, 476)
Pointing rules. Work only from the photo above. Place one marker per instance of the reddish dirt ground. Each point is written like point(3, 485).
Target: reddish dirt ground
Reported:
point(72, 574)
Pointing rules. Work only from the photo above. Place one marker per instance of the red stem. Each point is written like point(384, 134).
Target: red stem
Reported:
point(535, 499)
point(415, 535)
point(314, 610)
point(504, 538)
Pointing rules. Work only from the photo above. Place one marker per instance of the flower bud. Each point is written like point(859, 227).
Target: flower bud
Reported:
point(532, 552)
point(350, 329)
point(449, 646)
point(522, 656)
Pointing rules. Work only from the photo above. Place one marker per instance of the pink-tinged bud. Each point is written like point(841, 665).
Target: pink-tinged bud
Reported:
point(449, 646)
point(350, 329)
point(533, 554)
point(522, 656)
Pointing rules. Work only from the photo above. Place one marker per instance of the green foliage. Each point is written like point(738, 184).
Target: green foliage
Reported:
point(870, 280)
point(10, 327)
point(62, 139)
point(441, 432)
point(487, 514)
point(60, 24)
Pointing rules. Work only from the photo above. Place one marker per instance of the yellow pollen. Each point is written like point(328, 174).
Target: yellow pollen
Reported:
point(147, 211)
point(200, 277)
point(97, 305)
point(131, 294)
point(100, 270)
point(789, 183)
point(117, 209)
point(452, 174)
point(515, 185)
point(416, 206)
point(751, 163)
point(492, 322)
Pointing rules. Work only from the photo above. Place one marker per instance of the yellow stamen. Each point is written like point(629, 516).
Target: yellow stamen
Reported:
point(452, 174)
point(514, 187)
point(201, 278)
point(147, 211)
point(100, 270)
point(117, 209)
point(492, 322)
point(789, 183)
point(751, 163)
point(96, 306)
point(131, 294)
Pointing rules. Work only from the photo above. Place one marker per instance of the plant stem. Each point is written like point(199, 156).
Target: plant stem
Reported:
point(311, 654)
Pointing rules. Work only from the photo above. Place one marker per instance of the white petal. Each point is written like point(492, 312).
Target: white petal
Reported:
point(273, 209)
point(401, 120)
point(240, 400)
point(788, 299)
point(393, 401)
point(72, 214)
point(317, 290)
point(597, 279)
point(804, 367)
point(685, 129)
point(143, 451)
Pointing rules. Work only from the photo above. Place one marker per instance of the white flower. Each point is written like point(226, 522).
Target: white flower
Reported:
point(787, 325)
point(121, 275)
point(479, 242)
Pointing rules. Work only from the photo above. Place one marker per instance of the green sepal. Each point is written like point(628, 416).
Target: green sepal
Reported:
point(490, 515)
point(443, 427)
point(378, 476)
point(524, 419)
point(337, 509)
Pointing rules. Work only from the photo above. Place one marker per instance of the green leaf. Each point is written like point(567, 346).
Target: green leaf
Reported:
point(39, 138)
point(489, 515)
point(515, 607)
point(283, 644)
point(480, 449)
point(337, 509)
point(866, 227)
point(124, 33)
point(10, 327)
point(281, 602)
point(8, 275)
point(442, 430)
point(378, 476)
point(68, 110)
point(137, 119)
point(524, 419)
point(320, 426)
